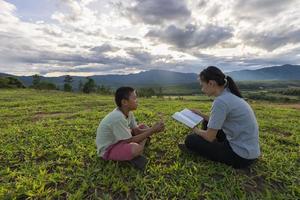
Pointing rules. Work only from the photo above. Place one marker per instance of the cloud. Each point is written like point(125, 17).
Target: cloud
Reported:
point(97, 37)
point(104, 48)
point(192, 36)
point(129, 39)
point(259, 9)
point(270, 41)
point(287, 57)
point(75, 16)
point(75, 10)
point(159, 11)
point(274, 32)
point(6, 11)
point(141, 56)
point(51, 29)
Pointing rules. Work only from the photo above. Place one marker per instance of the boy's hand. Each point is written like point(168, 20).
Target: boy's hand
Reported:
point(158, 127)
point(161, 116)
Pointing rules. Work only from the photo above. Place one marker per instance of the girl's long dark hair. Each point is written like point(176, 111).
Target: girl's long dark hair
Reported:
point(214, 73)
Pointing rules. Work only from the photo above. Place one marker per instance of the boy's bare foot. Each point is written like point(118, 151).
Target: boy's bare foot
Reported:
point(139, 162)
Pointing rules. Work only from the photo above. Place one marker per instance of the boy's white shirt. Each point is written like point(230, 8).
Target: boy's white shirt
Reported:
point(113, 128)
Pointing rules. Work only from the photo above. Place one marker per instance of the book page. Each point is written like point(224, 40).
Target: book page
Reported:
point(183, 119)
point(192, 116)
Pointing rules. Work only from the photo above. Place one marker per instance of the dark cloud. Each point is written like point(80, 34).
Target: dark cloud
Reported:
point(202, 3)
point(78, 59)
point(260, 8)
point(271, 40)
point(191, 36)
point(145, 58)
point(34, 55)
point(140, 55)
point(288, 57)
point(104, 48)
point(209, 8)
point(159, 11)
point(129, 39)
point(67, 45)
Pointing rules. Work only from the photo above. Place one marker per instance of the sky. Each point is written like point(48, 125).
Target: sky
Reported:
point(95, 37)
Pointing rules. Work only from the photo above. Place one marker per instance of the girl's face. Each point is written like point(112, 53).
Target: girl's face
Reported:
point(208, 88)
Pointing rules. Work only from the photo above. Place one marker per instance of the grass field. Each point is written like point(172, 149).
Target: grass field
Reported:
point(47, 150)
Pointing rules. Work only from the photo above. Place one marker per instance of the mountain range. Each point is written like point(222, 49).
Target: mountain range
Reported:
point(165, 78)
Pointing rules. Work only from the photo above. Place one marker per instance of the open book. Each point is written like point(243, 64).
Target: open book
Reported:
point(188, 118)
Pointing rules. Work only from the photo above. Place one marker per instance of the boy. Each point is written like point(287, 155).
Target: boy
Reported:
point(118, 136)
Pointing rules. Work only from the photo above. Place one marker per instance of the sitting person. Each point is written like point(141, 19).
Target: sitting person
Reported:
point(231, 135)
point(118, 136)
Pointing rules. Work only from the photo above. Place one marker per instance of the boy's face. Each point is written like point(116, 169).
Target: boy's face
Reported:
point(132, 102)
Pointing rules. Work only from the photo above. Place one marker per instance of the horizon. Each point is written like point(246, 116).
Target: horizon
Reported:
point(92, 37)
point(136, 72)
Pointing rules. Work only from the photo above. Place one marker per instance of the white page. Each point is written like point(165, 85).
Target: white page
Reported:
point(192, 116)
point(179, 117)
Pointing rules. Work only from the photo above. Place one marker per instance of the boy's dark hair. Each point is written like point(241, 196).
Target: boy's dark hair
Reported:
point(122, 93)
point(214, 73)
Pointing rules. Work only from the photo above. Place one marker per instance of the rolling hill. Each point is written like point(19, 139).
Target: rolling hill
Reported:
point(167, 78)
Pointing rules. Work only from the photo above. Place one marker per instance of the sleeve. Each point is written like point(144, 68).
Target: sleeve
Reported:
point(218, 115)
point(120, 130)
point(132, 123)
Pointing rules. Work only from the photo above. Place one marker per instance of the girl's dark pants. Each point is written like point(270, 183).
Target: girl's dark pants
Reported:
point(218, 150)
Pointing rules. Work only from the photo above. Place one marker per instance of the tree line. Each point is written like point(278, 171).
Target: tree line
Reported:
point(87, 86)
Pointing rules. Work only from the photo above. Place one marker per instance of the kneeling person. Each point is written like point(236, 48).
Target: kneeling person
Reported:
point(118, 136)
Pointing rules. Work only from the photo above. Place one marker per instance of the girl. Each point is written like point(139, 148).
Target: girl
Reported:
point(231, 135)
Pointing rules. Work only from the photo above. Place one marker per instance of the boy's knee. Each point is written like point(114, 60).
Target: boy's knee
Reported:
point(136, 149)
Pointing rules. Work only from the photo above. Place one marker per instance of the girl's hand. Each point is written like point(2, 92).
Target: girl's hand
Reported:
point(198, 112)
point(196, 130)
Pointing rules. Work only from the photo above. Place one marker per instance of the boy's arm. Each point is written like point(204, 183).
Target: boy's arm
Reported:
point(140, 137)
point(137, 130)
point(158, 127)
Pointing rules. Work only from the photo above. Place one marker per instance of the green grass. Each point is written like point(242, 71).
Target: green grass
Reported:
point(47, 150)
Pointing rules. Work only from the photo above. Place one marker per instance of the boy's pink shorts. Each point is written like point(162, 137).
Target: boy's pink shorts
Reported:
point(120, 151)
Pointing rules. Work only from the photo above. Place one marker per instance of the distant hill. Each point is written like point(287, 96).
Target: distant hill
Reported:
point(142, 79)
point(3, 74)
point(284, 72)
point(152, 77)
point(167, 78)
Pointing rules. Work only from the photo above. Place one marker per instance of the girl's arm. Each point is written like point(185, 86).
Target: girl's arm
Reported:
point(205, 117)
point(209, 134)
